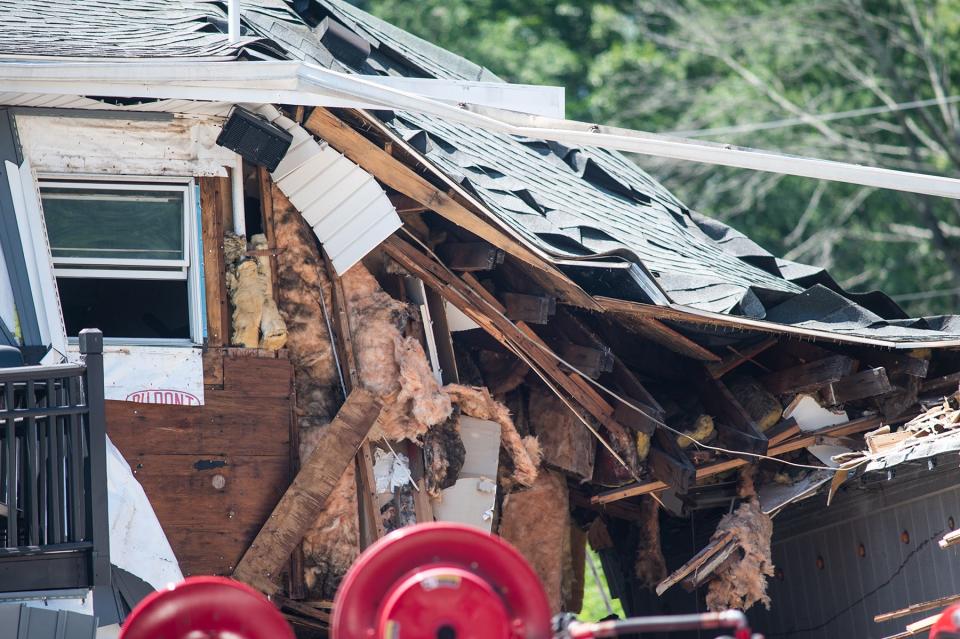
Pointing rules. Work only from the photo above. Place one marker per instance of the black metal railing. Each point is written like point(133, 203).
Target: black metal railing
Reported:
point(53, 481)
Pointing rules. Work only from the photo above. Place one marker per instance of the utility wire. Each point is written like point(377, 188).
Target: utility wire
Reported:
point(615, 395)
point(825, 117)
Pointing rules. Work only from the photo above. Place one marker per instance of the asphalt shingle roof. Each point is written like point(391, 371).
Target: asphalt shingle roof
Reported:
point(571, 202)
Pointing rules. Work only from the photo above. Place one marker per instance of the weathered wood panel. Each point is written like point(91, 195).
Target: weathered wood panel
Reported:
point(213, 473)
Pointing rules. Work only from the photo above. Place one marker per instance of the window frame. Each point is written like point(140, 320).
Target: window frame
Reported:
point(189, 268)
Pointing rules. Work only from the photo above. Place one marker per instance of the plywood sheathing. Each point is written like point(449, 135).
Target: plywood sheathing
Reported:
point(741, 581)
point(650, 567)
point(537, 523)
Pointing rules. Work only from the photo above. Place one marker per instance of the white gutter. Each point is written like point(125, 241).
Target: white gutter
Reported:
point(311, 85)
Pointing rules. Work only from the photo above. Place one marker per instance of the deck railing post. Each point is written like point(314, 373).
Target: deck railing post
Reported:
point(91, 348)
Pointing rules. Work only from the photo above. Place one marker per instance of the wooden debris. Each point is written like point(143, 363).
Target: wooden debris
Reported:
point(712, 549)
point(950, 539)
point(473, 299)
point(949, 383)
point(841, 430)
point(762, 407)
point(867, 383)
point(810, 376)
point(535, 309)
point(303, 501)
point(669, 464)
point(917, 607)
point(882, 439)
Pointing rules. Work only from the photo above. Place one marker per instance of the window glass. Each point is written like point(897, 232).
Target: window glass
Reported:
point(114, 224)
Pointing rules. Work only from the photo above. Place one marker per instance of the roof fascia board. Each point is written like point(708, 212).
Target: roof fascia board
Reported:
point(688, 315)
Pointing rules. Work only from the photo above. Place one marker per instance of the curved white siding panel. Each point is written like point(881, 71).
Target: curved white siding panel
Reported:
point(349, 213)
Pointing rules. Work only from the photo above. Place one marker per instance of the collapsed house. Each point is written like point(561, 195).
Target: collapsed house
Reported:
point(324, 322)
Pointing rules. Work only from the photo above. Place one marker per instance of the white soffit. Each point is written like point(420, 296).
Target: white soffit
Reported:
point(117, 146)
point(349, 213)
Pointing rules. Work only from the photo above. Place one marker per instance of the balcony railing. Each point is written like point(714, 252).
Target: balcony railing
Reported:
point(54, 528)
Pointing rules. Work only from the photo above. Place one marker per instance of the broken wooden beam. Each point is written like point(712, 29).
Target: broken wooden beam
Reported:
point(470, 256)
point(810, 376)
point(738, 356)
point(669, 464)
point(949, 383)
point(297, 510)
point(703, 573)
point(867, 383)
point(949, 539)
point(671, 338)
point(481, 307)
point(917, 607)
point(397, 175)
point(698, 560)
point(534, 309)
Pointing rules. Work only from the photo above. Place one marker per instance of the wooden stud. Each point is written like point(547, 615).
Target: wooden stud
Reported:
point(304, 499)
point(917, 607)
point(212, 190)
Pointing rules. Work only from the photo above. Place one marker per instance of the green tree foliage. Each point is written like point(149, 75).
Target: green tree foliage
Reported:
point(700, 67)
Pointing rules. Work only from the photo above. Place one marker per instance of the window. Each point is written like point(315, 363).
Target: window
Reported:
point(123, 256)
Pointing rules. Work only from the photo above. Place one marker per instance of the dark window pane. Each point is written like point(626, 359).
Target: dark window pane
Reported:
point(114, 224)
point(126, 308)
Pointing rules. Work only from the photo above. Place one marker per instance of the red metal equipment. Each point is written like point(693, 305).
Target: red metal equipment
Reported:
point(948, 625)
point(206, 608)
point(430, 581)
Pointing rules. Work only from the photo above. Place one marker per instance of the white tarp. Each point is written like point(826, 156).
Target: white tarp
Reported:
point(137, 542)
point(151, 374)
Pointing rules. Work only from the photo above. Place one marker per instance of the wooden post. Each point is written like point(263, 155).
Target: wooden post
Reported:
point(304, 499)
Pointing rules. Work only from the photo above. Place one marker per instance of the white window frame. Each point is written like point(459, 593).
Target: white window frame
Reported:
point(188, 268)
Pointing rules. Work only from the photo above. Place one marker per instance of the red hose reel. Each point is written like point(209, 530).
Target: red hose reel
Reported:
point(430, 581)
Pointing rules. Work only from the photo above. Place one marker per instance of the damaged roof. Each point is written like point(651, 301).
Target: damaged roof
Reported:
point(571, 203)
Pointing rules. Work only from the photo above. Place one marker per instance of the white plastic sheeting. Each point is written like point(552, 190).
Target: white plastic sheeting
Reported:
point(349, 213)
point(137, 542)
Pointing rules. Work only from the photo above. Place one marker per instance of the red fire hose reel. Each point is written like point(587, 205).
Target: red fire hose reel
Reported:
point(430, 581)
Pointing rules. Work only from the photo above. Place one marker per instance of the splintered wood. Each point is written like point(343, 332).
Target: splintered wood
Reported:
point(303, 501)
point(520, 339)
